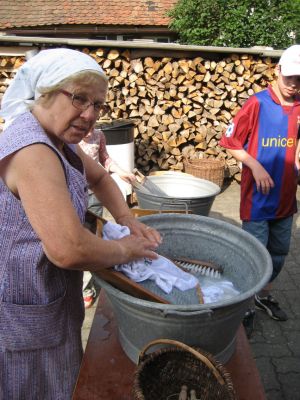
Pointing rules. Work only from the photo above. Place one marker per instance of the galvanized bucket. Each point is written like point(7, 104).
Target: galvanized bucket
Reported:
point(183, 192)
point(211, 327)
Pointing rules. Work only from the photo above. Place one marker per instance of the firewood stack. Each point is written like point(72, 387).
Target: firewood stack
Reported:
point(181, 106)
point(8, 68)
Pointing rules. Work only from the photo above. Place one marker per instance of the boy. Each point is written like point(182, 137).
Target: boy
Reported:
point(264, 137)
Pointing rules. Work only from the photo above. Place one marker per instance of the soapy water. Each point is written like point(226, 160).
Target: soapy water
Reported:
point(213, 290)
point(217, 289)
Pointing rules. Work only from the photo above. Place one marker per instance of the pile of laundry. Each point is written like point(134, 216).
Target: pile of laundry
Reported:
point(166, 275)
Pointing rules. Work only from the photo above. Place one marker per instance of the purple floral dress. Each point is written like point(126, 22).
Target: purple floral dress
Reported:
point(41, 305)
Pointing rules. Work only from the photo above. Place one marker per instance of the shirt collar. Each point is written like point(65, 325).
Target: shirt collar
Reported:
point(276, 99)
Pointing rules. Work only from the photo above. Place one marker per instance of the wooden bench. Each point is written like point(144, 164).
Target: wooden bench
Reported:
point(106, 372)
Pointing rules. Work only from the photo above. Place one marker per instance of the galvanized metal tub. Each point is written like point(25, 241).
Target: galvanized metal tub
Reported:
point(212, 327)
point(183, 192)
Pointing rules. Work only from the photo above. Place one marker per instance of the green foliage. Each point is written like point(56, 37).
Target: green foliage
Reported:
point(237, 23)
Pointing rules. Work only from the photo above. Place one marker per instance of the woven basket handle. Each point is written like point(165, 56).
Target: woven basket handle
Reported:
point(187, 348)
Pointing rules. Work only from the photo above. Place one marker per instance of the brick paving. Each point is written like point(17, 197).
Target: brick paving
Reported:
point(275, 345)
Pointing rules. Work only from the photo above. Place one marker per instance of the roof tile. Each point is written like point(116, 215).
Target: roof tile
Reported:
point(98, 12)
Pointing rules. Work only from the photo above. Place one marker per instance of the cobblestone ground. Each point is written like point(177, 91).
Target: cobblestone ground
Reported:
point(275, 345)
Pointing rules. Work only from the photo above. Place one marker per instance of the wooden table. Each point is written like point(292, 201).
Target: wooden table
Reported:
point(106, 372)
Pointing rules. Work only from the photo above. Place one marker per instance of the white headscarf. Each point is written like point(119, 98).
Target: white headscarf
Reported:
point(46, 69)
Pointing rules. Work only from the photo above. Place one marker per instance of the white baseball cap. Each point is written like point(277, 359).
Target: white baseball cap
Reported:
point(290, 61)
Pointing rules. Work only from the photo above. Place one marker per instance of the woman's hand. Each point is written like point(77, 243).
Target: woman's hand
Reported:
point(134, 247)
point(139, 229)
point(129, 178)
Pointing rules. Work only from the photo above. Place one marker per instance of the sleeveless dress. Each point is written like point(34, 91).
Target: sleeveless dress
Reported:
point(41, 306)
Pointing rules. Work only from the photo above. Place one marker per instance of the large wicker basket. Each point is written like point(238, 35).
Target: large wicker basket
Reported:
point(211, 169)
point(162, 374)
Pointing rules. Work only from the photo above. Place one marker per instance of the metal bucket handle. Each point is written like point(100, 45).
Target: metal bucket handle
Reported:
point(187, 348)
point(187, 313)
point(174, 203)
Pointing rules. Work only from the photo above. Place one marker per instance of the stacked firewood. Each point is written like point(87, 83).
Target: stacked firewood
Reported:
point(180, 106)
point(8, 68)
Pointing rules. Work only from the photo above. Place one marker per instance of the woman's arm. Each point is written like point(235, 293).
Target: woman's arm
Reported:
point(109, 194)
point(35, 175)
point(128, 177)
point(108, 163)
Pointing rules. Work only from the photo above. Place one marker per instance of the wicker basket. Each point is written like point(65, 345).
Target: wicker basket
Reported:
point(211, 169)
point(162, 373)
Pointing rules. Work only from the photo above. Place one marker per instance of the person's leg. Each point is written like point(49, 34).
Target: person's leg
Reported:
point(95, 206)
point(87, 276)
point(279, 243)
point(275, 235)
point(260, 230)
point(90, 289)
point(278, 247)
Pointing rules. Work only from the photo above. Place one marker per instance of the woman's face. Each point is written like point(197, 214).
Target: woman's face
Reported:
point(64, 119)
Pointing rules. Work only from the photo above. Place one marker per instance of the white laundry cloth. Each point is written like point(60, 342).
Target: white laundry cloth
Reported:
point(217, 289)
point(44, 70)
point(162, 271)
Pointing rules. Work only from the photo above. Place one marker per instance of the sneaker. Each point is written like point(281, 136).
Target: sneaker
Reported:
point(248, 322)
point(271, 306)
point(88, 301)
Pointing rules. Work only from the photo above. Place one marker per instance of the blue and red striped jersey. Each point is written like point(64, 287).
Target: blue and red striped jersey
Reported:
point(269, 132)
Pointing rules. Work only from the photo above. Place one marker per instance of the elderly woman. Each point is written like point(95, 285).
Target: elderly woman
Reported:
point(52, 103)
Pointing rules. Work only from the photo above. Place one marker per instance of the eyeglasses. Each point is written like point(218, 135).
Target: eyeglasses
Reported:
point(82, 103)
